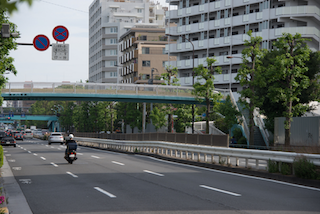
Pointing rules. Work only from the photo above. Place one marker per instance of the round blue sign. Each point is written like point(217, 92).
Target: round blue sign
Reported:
point(60, 33)
point(41, 42)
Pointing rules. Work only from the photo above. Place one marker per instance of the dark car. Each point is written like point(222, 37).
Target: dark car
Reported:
point(3, 134)
point(18, 136)
point(8, 141)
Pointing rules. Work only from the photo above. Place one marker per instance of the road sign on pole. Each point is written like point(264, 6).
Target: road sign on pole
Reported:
point(60, 33)
point(60, 52)
point(41, 42)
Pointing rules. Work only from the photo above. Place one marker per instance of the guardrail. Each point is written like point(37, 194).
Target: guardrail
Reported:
point(172, 149)
point(196, 139)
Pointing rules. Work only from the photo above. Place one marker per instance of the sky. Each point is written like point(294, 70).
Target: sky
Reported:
point(41, 18)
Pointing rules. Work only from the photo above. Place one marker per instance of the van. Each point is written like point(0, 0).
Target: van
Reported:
point(28, 134)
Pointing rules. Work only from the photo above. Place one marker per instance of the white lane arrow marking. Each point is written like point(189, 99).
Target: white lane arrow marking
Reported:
point(219, 190)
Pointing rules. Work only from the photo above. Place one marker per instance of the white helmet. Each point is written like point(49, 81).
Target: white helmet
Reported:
point(71, 136)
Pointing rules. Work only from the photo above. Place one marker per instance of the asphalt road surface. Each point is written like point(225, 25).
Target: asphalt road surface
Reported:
point(106, 182)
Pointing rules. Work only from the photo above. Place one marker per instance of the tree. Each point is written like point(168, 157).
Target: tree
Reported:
point(312, 93)
point(248, 76)
point(291, 67)
point(66, 116)
point(206, 90)
point(158, 118)
point(133, 116)
point(6, 45)
point(12, 6)
point(184, 117)
point(167, 77)
point(230, 113)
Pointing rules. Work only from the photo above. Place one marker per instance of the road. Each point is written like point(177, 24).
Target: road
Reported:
point(106, 182)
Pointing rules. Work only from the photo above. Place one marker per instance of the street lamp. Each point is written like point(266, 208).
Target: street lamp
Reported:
point(192, 74)
point(150, 81)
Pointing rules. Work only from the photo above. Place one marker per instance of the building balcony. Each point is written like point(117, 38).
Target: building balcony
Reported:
point(211, 43)
point(187, 63)
point(297, 11)
point(219, 79)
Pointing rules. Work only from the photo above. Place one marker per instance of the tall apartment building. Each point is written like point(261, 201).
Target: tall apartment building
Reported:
point(143, 52)
point(108, 20)
point(218, 28)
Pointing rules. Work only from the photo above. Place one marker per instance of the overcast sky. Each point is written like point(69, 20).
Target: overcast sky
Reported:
point(41, 18)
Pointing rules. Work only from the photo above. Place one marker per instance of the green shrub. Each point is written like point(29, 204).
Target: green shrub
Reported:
point(286, 169)
point(242, 140)
point(1, 156)
point(303, 168)
point(273, 166)
point(237, 133)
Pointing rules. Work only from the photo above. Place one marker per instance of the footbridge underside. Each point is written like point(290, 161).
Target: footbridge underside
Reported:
point(99, 92)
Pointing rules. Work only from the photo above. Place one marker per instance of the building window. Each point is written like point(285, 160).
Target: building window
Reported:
point(146, 63)
point(223, 53)
point(114, 30)
point(113, 52)
point(164, 64)
point(113, 63)
point(113, 41)
point(145, 50)
point(139, 10)
point(163, 51)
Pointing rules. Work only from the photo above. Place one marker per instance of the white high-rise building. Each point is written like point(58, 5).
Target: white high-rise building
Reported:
point(108, 20)
point(218, 28)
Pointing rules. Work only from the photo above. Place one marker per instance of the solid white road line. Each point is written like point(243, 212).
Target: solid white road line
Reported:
point(105, 192)
point(75, 176)
point(55, 165)
point(43, 158)
point(122, 164)
point(79, 154)
point(235, 174)
point(153, 173)
point(220, 190)
point(95, 156)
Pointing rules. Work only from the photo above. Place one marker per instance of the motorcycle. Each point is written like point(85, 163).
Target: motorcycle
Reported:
point(71, 156)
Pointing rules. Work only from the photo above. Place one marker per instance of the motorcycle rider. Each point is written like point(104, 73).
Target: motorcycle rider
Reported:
point(71, 145)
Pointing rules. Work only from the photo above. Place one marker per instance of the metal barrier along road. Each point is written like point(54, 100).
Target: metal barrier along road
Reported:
point(183, 151)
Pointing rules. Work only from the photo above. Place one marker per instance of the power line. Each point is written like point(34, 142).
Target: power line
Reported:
point(70, 8)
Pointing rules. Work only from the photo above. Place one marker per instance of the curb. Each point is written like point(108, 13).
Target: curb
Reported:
point(17, 202)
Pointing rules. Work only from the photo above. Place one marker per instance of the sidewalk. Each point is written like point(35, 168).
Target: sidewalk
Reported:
point(17, 203)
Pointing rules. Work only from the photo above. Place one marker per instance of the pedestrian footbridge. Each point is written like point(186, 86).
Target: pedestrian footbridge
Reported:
point(100, 92)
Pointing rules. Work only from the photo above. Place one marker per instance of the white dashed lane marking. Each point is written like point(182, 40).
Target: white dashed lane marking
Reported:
point(220, 190)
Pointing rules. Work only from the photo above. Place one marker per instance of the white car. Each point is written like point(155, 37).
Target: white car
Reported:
point(55, 137)
point(28, 134)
